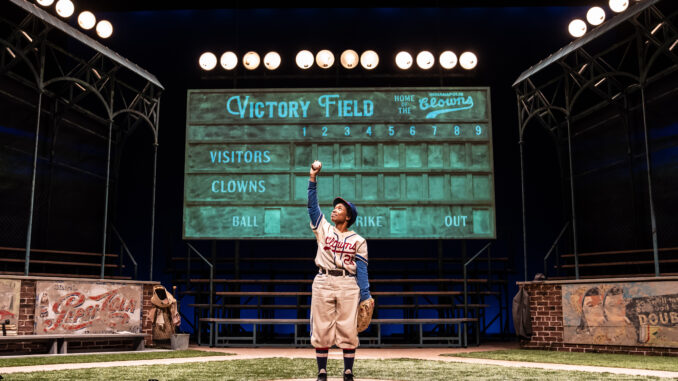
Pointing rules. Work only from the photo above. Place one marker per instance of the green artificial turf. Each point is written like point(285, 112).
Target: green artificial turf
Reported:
point(576, 358)
point(282, 368)
point(100, 357)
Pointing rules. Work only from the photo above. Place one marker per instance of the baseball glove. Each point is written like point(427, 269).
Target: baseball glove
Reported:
point(365, 309)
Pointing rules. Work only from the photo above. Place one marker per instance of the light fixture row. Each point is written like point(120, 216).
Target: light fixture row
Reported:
point(86, 19)
point(595, 16)
point(349, 59)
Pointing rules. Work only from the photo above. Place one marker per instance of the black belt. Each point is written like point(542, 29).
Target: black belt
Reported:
point(335, 272)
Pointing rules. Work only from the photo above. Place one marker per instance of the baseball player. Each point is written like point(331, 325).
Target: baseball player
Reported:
point(341, 283)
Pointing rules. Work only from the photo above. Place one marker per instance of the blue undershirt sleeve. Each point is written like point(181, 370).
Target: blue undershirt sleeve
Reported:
point(363, 283)
point(313, 209)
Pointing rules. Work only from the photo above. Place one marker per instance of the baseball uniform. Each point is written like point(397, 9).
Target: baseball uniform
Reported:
point(335, 298)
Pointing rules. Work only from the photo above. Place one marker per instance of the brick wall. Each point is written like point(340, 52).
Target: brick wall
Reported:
point(26, 326)
point(546, 314)
point(146, 323)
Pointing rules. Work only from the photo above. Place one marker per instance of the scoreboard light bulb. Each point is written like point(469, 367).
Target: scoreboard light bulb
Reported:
point(207, 61)
point(425, 60)
point(65, 8)
point(468, 60)
point(448, 60)
point(87, 20)
point(369, 59)
point(324, 59)
point(272, 60)
point(251, 60)
point(349, 59)
point(228, 60)
point(619, 6)
point(577, 28)
point(304, 59)
point(45, 3)
point(104, 29)
point(403, 60)
point(595, 16)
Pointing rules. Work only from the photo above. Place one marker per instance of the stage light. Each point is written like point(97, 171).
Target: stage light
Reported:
point(251, 60)
point(304, 59)
point(349, 59)
point(324, 59)
point(619, 5)
point(468, 60)
point(228, 60)
point(595, 16)
point(425, 60)
point(207, 61)
point(448, 60)
point(403, 60)
point(65, 8)
point(272, 60)
point(45, 3)
point(105, 29)
point(369, 59)
point(577, 28)
point(656, 28)
point(86, 20)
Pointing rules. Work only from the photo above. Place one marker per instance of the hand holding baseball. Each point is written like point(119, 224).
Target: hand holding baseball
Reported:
point(315, 168)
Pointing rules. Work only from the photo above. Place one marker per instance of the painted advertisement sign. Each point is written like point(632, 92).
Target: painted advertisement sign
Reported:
point(87, 307)
point(632, 313)
point(10, 294)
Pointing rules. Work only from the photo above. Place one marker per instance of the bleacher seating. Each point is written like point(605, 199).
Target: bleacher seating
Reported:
point(617, 264)
point(74, 264)
point(262, 288)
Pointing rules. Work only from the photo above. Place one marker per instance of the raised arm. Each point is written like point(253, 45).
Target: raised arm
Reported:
point(313, 209)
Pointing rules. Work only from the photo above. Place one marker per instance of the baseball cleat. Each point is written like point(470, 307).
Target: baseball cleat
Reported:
point(323, 377)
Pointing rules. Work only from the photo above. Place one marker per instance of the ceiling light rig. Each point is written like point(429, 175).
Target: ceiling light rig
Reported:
point(86, 19)
point(595, 17)
point(369, 59)
point(272, 60)
point(403, 60)
point(304, 59)
point(349, 59)
point(207, 61)
point(251, 60)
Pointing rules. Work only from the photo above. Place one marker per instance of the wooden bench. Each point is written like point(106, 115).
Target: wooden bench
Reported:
point(307, 306)
point(216, 339)
point(59, 342)
point(309, 281)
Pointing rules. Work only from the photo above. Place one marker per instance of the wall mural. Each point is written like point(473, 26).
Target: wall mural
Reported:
point(87, 307)
point(632, 313)
point(10, 294)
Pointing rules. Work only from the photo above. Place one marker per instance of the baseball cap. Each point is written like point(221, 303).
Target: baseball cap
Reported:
point(351, 209)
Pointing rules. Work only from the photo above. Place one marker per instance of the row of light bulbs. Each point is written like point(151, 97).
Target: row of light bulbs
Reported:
point(349, 59)
point(86, 19)
point(595, 16)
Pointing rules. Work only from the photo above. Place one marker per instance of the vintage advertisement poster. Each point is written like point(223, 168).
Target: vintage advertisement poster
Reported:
point(87, 307)
point(629, 313)
point(10, 293)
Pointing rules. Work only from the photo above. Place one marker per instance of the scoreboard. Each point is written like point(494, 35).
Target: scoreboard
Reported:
point(417, 162)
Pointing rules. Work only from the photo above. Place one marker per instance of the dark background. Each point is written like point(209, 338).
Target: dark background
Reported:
point(508, 37)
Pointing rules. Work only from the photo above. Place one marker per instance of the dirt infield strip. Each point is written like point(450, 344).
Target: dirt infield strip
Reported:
point(367, 353)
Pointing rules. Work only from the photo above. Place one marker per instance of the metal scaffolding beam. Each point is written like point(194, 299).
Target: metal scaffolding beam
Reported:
point(601, 69)
point(96, 82)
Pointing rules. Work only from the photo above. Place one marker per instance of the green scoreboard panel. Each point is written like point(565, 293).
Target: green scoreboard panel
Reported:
point(417, 162)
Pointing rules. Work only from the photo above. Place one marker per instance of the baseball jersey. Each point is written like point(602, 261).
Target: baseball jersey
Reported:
point(337, 250)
